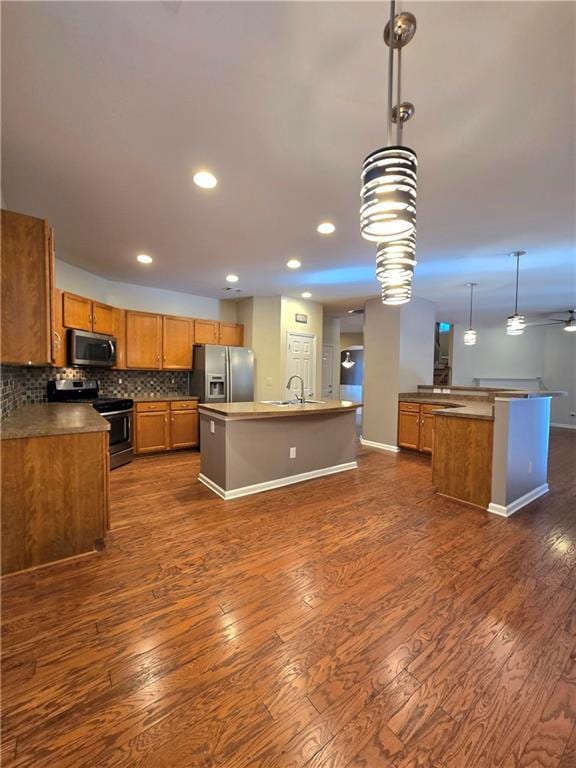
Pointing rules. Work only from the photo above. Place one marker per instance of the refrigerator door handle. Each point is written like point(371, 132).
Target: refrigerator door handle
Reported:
point(228, 376)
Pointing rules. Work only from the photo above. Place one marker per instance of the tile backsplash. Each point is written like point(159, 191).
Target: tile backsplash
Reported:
point(22, 385)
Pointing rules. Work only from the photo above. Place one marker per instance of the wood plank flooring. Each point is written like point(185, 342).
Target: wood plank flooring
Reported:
point(356, 621)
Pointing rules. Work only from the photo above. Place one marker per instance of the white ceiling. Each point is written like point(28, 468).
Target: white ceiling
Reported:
point(108, 108)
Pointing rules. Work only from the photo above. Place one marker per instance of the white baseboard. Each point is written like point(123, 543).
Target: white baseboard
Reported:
point(563, 426)
point(379, 446)
point(509, 509)
point(248, 490)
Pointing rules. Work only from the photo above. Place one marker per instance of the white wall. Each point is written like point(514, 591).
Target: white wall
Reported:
point(417, 329)
point(545, 352)
point(139, 297)
point(314, 311)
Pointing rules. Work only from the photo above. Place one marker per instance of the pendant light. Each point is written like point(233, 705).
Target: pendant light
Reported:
point(347, 362)
point(570, 324)
point(516, 323)
point(470, 334)
point(388, 182)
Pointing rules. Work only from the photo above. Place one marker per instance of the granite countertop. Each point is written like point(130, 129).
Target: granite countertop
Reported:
point(465, 408)
point(48, 419)
point(259, 410)
point(161, 398)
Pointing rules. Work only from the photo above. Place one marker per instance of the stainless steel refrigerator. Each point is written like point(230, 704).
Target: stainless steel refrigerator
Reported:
point(222, 374)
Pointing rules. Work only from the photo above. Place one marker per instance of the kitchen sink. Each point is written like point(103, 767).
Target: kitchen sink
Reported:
point(290, 402)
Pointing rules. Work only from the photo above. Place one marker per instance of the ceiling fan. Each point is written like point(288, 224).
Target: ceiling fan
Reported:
point(569, 324)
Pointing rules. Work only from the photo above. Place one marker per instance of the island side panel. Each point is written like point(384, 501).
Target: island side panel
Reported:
point(213, 449)
point(258, 450)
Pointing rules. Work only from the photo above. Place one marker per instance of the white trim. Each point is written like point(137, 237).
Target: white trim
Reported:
point(563, 426)
point(509, 509)
point(379, 446)
point(248, 490)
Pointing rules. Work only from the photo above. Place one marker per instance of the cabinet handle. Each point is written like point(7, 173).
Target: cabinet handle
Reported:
point(90, 318)
point(58, 339)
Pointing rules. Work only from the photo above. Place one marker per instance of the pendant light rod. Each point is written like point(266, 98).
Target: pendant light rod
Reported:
point(517, 255)
point(472, 285)
point(399, 121)
point(390, 74)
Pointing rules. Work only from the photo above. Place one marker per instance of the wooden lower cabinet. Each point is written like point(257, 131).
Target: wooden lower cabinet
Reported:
point(416, 426)
point(164, 426)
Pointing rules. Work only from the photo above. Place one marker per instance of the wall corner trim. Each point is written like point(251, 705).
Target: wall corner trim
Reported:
point(248, 490)
point(379, 446)
point(509, 509)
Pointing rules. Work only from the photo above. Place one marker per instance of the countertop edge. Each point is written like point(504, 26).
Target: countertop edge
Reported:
point(26, 421)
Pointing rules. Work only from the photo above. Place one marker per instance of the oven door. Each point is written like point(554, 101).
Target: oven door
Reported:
point(94, 349)
point(120, 437)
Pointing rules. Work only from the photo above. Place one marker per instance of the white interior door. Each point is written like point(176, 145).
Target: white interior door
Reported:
point(328, 371)
point(301, 361)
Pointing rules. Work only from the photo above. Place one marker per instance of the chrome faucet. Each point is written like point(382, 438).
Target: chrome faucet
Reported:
point(302, 397)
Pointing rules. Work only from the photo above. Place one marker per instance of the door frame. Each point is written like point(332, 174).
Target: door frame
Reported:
point(302, 334)
point(333, 348)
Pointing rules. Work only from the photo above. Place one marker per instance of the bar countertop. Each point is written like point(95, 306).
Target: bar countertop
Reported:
point(48, 419)
point(260, 410)
point(472, 406)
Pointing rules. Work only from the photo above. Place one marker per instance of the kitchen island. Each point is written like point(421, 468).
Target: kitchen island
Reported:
point(252, 447)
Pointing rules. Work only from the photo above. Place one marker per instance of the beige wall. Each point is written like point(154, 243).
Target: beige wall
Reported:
point(289, 308)
point(351, 340)
point(141, 297)
point(331, 335)
point(266, 331)
point(417, 329)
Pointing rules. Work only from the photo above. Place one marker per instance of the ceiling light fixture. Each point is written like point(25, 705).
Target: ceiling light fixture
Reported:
point(515, 324)
point(205, 179)
point(143, 258)
point(293, 264)
point(570, 324)
point(388, 192)
point(326, 228)
point(306, 295)
point(347, 362)
point(470, 334)
point(232, 278)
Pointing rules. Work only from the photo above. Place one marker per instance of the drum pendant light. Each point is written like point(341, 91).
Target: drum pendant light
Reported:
point(388, 181)
point(470, 334)
point(515, 324)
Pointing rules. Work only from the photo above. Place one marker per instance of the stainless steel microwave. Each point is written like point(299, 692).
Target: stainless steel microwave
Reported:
point(94, 349)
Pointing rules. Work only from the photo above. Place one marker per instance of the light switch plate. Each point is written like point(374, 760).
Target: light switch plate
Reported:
point(212, 428)
point(293, 453)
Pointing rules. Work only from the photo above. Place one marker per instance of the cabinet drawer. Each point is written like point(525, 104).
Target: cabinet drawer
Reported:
point(184, 405)
point(154, 406)
point(413, 407)
point(430, 408)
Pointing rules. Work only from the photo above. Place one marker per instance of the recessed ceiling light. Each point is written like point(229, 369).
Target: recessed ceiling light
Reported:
point(293, 264)
point(143, 258)
point(326, 228)
point(205, 179)
point(306, 295)
point(232, 278)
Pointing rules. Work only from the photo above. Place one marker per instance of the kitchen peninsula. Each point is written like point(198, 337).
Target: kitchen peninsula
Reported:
point(252, 447)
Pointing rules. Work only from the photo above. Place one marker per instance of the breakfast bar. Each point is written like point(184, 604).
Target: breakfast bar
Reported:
point(248, 448)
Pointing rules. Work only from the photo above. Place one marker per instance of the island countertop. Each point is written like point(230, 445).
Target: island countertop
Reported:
point(260, 410)
point(48, 419)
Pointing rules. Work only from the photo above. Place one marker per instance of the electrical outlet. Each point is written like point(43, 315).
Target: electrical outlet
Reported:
point(293, 453)
point(212, 428)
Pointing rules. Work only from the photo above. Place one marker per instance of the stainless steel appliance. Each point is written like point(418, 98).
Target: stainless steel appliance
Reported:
point(94, 349)
point(222, 374)
point(118, 411)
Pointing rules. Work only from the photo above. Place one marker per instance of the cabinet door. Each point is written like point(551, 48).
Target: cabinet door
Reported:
point(426, 432)
point(77, 312)
point(409, 429)
point(59, 342)
point(102, 318)
point(231, 334)
point(206, 331)
point(184, 429)
point(119, 331)
point(177, 341)
point(152, 431)
point(143, 340)
point(26, 270)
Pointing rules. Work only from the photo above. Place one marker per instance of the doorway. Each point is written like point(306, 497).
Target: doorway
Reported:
point(301, 361)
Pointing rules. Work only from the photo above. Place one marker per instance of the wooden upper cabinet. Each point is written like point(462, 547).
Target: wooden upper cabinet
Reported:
point(102, 318)
point(206, 332)
point(26, 274)
point(119, 331)
point(77, 311)
point(231, 334)
point(143, 340)
point(59, 346)
point(177, 342)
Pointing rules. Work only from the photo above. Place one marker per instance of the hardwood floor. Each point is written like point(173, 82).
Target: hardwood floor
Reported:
point(356, 620)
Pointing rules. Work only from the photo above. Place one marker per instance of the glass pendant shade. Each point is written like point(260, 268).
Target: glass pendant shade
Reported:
point(388, 194)
point(515, 325)
point(570, 324)
point(469, 337)
point(347, 362)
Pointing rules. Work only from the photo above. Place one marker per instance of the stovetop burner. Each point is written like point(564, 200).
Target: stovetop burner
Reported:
point(85, 391)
